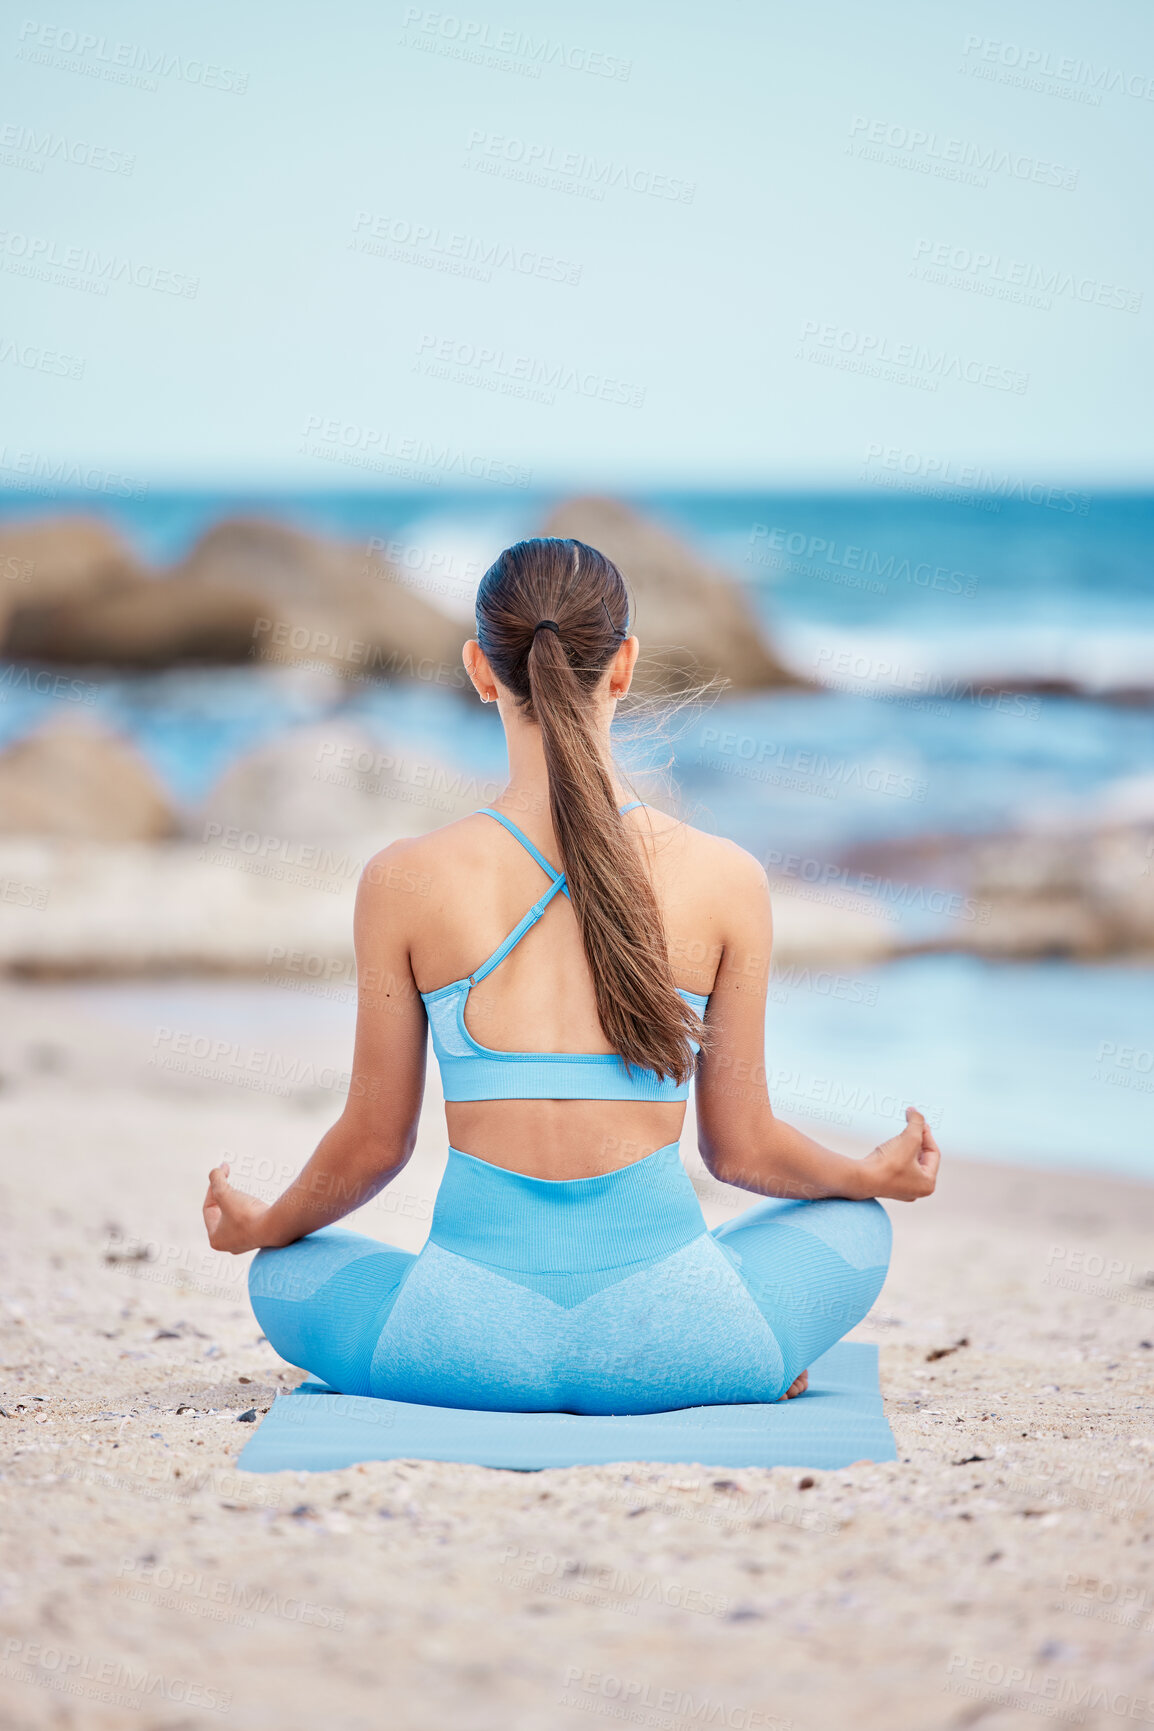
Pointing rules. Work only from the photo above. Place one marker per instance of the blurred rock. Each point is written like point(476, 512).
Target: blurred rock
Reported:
point(282, 909)
point(694, 620)
point(328, 604)
point(822, 934)
point(144, 622)
point(71, 591)
point(257, 590)
point(1086, 895)
point(64, 561)
point(81, 783)
point(89, 909)
point(335, 783)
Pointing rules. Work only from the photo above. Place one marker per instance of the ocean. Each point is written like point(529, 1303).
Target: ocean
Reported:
point(987, 663)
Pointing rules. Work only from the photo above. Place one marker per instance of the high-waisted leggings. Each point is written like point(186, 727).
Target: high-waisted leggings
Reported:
point(589, 1295)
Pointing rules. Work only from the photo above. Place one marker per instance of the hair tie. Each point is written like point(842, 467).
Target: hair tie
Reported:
point(547, 625)
point(620, 635)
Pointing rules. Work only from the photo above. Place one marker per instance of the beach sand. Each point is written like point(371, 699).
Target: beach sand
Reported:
point(1001, 1569)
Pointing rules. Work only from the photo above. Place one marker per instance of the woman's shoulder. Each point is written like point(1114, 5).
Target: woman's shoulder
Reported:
point(420, 858)
point(718, 862)
point(420, 863)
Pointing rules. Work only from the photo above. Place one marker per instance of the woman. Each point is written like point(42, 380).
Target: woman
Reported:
point(568, 1266)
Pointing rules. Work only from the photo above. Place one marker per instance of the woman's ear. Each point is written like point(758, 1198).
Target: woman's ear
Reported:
point(622, 665)
point(479, 671)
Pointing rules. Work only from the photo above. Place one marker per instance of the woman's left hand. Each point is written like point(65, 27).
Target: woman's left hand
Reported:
point(232, 1219)
point(905, 1168)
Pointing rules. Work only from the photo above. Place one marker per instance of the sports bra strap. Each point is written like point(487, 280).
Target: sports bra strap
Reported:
point(517, 933)
point(557, 884)
point(507, 823)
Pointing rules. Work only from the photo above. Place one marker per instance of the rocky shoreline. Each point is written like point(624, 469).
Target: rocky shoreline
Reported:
point(240, 901)
point(256, 591)
point(103, 871)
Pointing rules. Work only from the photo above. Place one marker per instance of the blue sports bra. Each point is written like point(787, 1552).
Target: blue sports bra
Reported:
point(470, 1071)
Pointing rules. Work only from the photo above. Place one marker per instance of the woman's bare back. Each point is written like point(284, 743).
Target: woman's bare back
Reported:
point(478, 884)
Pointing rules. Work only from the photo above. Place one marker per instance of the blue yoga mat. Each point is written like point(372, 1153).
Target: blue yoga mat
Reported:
point(840, 1420)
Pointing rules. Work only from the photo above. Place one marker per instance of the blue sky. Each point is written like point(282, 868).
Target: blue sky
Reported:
point(593, 245)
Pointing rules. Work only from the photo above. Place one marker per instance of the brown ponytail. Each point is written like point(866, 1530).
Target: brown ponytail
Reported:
point(553, 674)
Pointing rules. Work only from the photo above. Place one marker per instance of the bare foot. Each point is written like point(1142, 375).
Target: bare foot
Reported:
point(798, 1386)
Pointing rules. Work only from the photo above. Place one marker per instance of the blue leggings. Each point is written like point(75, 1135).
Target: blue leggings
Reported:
point(589, 1295)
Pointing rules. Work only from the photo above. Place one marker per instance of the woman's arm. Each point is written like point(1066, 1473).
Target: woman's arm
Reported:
point(740, 1139)
point(377, 1131)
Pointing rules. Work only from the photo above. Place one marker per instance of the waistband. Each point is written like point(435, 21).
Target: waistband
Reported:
point(640, 1213)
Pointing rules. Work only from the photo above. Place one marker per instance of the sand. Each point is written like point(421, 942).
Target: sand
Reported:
point(1000, 1571)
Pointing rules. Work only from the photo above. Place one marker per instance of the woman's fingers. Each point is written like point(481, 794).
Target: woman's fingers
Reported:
point(909, 1139)
point(219, 1187)
point(918, 1132)
point(928, 1157)
point(231, 1216)
point(216, 1201)
point(918, 1157)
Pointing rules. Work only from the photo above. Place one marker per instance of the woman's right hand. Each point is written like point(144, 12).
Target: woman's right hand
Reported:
point(906, 1167)
point(232, 1218)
